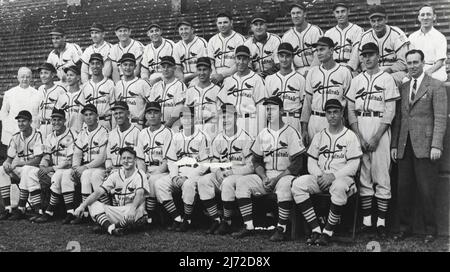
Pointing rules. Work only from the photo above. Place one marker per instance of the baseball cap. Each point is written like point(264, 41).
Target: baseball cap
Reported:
point(127, 57)
point(224, 14)
point(204, 61)
point(333, 104)
point(298, 5)
point(89, 107)
point(340, 4)
point(153, 25)
point(377, 10)
point(96, 56)
point(24, 115)
point(122, 24)
point(47, 66)
point(120, 105)
point(273, 100)
point(97, 27)
point(258, 18)
point(57, 31)
point(325, 41)
point(369, 48)
point(72, 68)
point(58, 113)
point(184, 22)
point(127, 149)
point(285, 48)
point(152, 105)
point(167, 60)
point(242, 50)
point(228, 107)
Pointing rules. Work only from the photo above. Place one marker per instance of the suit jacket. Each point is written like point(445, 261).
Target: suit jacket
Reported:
point(425, 120)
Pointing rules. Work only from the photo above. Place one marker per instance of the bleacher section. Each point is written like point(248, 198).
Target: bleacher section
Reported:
point(25, 24)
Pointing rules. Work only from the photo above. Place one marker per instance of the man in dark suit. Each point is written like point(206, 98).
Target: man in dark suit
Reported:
point(417, 144)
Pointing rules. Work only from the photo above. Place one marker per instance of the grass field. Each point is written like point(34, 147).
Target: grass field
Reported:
point(26, 236)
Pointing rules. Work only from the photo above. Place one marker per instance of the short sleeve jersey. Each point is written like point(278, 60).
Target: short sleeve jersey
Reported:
point(60, 147)
point(91, 142)
point(290, 88)
point(118, 139)
point(26, 149)
point(221, 50)
point(124, 189)
point(152, 146)
point(302, 43)
point(263, 54)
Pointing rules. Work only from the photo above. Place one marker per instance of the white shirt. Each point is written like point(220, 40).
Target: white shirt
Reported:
point(419, 81)
point(434, 46)
point(15, 100)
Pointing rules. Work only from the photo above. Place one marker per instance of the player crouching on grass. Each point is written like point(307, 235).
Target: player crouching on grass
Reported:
point(57, 160)
point(334, 157)
point(231, 160)
point(129, 187)
point(277, 159)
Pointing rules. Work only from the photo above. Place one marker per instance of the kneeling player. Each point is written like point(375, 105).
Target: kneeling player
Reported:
point(129, 187)
point(334, 156)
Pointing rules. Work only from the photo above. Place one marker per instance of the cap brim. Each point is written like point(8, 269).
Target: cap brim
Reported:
point(85, 110)
point(99, 59)
point(368, 51)
point(298, 6)
point(118, 108)
point(285, 51)
point(184, 23)
point(121, 26)
point(152, 108)
point(57, 115)
point(127, 59)
point(56, 33)
point(379, 14)
point(258, 20)
point(166, 62)
point(152, 26)
point(314, 45)
point(96, 29)
point(73, 70)
point(22, 117)
point(242, 54)
point(203, 64)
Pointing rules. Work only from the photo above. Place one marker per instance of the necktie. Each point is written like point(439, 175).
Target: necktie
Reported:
point(414, 89)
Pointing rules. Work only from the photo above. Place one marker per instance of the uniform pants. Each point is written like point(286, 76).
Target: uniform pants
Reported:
point(115, 214)
point(252, 185)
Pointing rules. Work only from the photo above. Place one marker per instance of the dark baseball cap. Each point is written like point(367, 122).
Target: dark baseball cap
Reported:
point(127, 57)
point(325, 41)
point(122, 24)
point(369, 48)
point(228, 107)
point(58, 113)
point(242, 50)
point(153, 25)
point(47, 66)
point(184, 22)
point(167, 60)
point(258, 18)
point(73, 68)
point(333, 104)
point(285, 48)
point(340, 4)
point(89, 107)
point(120, 105)
point(97, 27)
point(377, 10)
point(152, 105)
point(273, 100)
point(58, 31)
point(298, 5)
point(128, 149)
point(96, 56)
point(204, 61)
point(24, 115)
point(224, 14)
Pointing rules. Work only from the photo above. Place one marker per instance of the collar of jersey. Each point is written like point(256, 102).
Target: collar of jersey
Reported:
point(33, 131)
point(277, 131)
point(343, 131)
point(156, 131)
point(238, 133)
point(288, 75)
point(196, 131)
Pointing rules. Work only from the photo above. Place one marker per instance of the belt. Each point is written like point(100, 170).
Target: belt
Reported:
point(188, 165)
point(248, 115)
point(369, 113)
point(341, 61)
point(45, 122)
point(292, 114)
point(318, 113)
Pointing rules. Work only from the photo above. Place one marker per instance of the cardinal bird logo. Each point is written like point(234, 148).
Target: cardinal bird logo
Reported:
point(248, 86)
point(335, 82)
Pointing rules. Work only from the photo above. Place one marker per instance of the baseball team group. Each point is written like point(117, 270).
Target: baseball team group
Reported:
point(229, 119)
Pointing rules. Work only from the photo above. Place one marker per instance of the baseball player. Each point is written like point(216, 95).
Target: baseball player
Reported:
point(263, 48)
point(371, 109)
point(221, 48)
point(125, 134)
point(288, 85)
point(157, 48)
point(333, 159)
point(129, 187)
point(132, 90)
point(392, 42)
point(124, 46)
point(277, 159)
point(231, 159)
point(72, 100)
point(187, 51)
point(170, 93)
point(89, 155)
point(64, 54)
point(345, 35)
point(24, 153)
point(302, 36)
point(57, 159)
point(50, 93)
point(185, 159)
point(203, 97)
point(99, 46)
point(99, 90)
point(245, 89)
point(327, 81)
point(152, 146)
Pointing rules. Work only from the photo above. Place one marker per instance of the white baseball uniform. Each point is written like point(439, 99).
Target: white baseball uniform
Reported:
point(263, 54)
point(116, 52)
point(68, 57)
point(101, 95)
point(221, 50)
point(345, 41)
point(103, 50)
point(119, 139)
point(186, 55)
point(71, 103)
point(49, 99)
point(152, 56)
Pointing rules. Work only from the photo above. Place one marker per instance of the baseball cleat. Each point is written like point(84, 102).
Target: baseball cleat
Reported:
point(223, 228)
point(175, 225)
point(183, 227)
point(214, 226)
point(324, 240)
point(69, 217)
point(34, 217)
point(43, 218)
point(244, 232)
point(118, 232)
point(312, 238)
point(279, 235)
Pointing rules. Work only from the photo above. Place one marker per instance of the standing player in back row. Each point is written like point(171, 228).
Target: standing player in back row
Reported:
point(263, 48)
point(345, 35)
point(288, 85)
point(371, 109)
point(221, 48)
point(327, 81)
point(302, 36)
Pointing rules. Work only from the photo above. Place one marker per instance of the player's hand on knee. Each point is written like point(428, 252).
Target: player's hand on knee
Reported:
point(7, 166)
point(435, 154)
point(78, 212)
point(394, 154)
